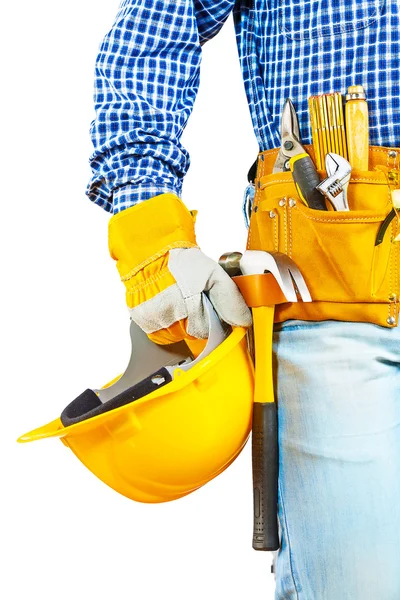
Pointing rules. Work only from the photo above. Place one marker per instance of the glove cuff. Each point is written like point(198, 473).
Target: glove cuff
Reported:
point(140, 234)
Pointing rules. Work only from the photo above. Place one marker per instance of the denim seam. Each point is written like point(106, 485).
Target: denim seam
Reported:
point(288, 542)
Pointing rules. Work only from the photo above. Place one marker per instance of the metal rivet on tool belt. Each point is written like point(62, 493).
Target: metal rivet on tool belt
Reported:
point(255, 208)
point(272, 214)
point(282, 202)
point(392, 297)
point(392, 154)
point(292, 202)
point(391, 321)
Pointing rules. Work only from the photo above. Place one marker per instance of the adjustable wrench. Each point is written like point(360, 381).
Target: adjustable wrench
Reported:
point(334, 187)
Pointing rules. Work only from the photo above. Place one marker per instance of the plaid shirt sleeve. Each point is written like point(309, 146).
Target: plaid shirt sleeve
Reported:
point(146, 80)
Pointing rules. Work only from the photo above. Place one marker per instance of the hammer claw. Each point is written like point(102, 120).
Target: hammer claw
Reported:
point(284, 270)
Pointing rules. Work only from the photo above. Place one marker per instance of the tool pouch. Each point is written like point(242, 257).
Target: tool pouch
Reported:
point(350, 278)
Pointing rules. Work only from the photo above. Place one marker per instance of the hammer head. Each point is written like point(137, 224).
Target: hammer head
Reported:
point(230, 262)
point(284, 270)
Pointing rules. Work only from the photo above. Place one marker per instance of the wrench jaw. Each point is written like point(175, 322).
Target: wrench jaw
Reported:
point(335, 190)
point(335, 186)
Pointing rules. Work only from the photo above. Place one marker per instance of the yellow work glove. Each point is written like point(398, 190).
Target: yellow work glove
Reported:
point(165, 272)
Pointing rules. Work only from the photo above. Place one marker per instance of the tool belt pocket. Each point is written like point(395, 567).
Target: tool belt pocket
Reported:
point(350, 278)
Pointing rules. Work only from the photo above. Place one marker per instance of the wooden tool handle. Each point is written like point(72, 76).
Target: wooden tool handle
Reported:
point(357, 129)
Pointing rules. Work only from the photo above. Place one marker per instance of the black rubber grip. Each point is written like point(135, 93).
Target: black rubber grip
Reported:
point(265, 476)
point(89, 405)
point(384, 226)
point(306, 178)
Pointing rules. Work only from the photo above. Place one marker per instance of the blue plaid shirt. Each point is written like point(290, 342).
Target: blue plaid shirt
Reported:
point(148, 66)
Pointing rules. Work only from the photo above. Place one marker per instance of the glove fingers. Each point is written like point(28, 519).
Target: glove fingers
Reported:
point(169, 335)
point(227, 299)
point(161, 311)
point(197, 322)
point(177, 312)
point(194, 272)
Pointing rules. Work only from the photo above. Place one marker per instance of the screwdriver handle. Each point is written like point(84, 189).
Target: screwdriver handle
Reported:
point(306, 178)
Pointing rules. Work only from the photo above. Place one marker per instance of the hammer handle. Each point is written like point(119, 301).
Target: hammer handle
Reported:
point(264, 436)
point(265, 476)
point(265, 428)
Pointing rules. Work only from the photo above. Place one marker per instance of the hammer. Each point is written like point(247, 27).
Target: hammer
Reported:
point(266, 279)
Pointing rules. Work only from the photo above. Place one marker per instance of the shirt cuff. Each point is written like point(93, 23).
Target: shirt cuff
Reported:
point(130, 194)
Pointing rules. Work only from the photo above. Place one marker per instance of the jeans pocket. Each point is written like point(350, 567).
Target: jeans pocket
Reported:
point(306, 19)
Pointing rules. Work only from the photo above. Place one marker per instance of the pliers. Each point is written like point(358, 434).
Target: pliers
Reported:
point(293, 157)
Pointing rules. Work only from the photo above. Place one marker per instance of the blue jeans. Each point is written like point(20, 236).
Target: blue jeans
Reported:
point(338, 394)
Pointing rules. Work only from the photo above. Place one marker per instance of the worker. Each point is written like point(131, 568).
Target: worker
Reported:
point(338, 368)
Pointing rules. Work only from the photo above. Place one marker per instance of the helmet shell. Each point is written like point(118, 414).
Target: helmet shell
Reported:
point(174, 440)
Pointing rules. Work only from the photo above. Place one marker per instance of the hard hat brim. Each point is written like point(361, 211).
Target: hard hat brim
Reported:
point(181, 379)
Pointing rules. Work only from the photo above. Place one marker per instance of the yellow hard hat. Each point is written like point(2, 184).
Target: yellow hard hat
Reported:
point(170, 423)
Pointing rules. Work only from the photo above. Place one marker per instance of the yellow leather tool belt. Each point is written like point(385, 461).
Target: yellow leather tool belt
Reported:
point(349, 277)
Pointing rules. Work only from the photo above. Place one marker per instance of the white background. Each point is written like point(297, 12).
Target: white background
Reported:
point(64, 534)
